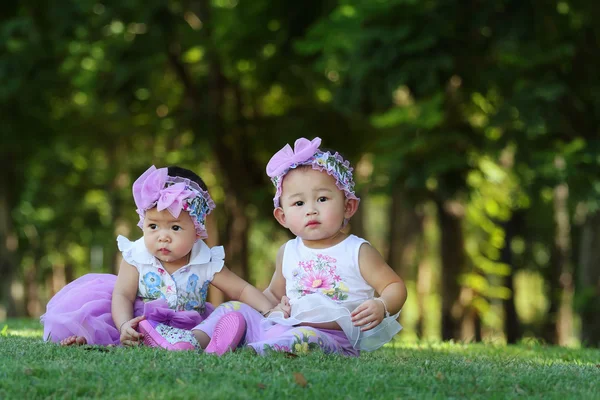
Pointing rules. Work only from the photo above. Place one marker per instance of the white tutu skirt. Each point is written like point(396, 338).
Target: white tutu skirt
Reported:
point(318, 308)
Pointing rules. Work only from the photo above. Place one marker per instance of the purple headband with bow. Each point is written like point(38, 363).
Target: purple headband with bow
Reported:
point(307, 152)
point(156, 188)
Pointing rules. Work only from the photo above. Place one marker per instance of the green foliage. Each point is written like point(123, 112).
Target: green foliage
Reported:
point(429, 96)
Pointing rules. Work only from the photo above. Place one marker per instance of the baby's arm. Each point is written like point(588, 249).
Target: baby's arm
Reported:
point(236, 288)
point(385, 281)
point(284, 307)
point(123, 298)
point(276, 289)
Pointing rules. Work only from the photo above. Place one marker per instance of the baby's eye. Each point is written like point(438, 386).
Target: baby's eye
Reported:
point(299, 203)
point(152, 226)
point(322, 199)
point(176, 228)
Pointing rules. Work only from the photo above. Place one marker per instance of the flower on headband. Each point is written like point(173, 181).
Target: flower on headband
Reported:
point(307, 152)
point(156, 188)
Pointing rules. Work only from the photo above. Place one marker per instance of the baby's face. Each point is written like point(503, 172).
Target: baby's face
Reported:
point(168, 238)
point(313, 206)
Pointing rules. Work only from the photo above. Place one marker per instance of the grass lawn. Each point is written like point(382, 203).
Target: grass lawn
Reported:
point(32, 369)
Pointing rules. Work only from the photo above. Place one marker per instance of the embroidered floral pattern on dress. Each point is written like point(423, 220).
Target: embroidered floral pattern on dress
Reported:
point(156, 285)
point(319, 276)
point(152, 286)
point(184, 290)
point(194, 297)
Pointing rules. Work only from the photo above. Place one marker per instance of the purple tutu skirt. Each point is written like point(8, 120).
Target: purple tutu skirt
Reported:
point(83, 308)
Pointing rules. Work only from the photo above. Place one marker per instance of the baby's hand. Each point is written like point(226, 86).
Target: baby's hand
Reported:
point(129, 334)
point(368, 315)
point(284, 306)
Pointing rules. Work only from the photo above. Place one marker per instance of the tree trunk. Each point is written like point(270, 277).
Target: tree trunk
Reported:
point(34, 304)
point(215, 296)
point(512, 325)
point(588, 288)
point(231, 151)
point(405, 252)
point(59, 278)
point(559, 323)
point(470, 324)
point(452, 253)
point(8, 247)
point(406, 231)
point(236, 246)
point(424, 277)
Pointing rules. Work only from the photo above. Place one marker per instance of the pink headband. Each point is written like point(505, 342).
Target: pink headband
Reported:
point(307, 153)
point(156, 188)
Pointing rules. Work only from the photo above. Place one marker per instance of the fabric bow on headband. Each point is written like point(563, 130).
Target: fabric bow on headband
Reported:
point(306, 152)
point(287, 158)
point(156, 188)
point(149, 189)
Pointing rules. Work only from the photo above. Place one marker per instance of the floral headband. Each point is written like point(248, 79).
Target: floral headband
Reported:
point(173, 193)
point(307, 153)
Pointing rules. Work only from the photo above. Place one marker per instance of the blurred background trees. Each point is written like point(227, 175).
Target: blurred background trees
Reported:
point(473, 128)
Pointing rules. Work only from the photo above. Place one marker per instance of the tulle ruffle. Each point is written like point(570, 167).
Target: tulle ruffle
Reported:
point(318, 308)
point(83, 308)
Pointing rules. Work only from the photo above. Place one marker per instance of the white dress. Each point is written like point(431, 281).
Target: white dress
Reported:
point(326, 285)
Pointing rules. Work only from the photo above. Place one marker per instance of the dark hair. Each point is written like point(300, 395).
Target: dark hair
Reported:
point(174, 170)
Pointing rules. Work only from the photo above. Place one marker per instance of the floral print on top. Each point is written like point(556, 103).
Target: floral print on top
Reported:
point(184, 290)
point(319, 275)
point(162, 285)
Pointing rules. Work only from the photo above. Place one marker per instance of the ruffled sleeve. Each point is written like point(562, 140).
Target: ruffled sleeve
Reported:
point(217, 261)
point(208, 260)
point(135, 253)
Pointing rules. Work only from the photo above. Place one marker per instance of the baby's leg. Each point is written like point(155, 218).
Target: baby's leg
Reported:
point(204, 332)
point(202, 338)
point(73, 341)
point(301, 340)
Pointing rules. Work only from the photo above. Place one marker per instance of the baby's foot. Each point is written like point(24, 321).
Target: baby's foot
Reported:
point(73, 341)
point(167, 337)
point(228, 333)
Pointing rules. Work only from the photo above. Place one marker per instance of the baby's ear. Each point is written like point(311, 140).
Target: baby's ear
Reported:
point(350, 208)
point(280, 216)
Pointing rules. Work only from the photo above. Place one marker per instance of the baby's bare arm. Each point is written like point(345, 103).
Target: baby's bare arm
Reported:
point(276, 289)
point(123, 298)
point(390, 287)
point(236, 288)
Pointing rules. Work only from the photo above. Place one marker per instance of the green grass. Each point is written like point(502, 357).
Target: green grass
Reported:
point(31, 369)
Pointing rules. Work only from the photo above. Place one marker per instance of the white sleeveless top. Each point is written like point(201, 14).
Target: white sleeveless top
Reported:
point(186, 288)
point(326, 285)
